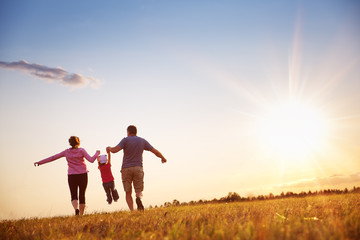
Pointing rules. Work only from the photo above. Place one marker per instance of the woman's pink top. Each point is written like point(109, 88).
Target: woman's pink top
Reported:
point(106, 173)
point(75, 158)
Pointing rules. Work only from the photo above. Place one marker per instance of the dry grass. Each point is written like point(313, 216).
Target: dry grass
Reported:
point(337, 217)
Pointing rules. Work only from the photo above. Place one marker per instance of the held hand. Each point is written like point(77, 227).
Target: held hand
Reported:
point(98, 151)
point(36, 164)
point(108, 149)
point(163, 160)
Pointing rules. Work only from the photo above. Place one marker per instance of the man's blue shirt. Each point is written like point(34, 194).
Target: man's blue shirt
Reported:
point(134, 147)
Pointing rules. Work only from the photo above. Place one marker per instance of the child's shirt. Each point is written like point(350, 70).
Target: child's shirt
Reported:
point(106, 173)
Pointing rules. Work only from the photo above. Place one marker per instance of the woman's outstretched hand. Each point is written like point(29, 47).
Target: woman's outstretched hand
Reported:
point(36, 164)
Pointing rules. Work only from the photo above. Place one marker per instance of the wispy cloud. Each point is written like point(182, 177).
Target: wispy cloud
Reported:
point(51, 74)
point(334, 180)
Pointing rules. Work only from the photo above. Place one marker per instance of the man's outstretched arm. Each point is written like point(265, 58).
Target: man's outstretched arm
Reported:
point(113, 149)
point(158, 154)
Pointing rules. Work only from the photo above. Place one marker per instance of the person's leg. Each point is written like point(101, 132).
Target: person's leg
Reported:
point(82, 189)
point(75, 204)
point(107, 188)
point(73, 191)
point(126, 176)
point(82, 208)
point(129, 201)
point(114, 192)
point(139, 186)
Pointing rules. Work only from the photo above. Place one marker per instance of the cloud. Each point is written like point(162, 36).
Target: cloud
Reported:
point(334, 180)
point(50, 74)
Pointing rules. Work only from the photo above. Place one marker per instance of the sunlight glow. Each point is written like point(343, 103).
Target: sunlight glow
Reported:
point(293, 128)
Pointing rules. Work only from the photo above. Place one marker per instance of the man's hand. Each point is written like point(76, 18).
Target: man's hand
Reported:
point(113, 150)
point(108, 149)
point(36, 164)
point(158, 154)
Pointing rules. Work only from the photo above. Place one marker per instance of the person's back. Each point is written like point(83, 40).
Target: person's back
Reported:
point(75, 159)
point(106, 174)
point(77, 171)
point(132, 172)
point(134, 147)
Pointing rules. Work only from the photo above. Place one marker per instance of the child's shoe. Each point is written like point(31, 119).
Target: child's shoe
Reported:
point(115, 195)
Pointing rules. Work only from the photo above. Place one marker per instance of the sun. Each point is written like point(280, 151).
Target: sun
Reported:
point(293, 128)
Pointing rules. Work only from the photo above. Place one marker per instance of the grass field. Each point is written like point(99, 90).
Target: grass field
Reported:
point(314, 217)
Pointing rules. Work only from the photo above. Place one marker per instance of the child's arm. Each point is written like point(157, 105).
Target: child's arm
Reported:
point(98, 159)
point(109, 157)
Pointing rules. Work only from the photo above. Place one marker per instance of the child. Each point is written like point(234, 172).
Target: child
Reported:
point(107, 178)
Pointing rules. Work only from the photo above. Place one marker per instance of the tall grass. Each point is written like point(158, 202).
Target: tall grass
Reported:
point(318, 217)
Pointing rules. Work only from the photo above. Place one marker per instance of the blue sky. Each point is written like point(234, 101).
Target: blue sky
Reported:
point(194, 76)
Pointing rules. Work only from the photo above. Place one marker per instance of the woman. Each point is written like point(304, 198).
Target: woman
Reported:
point(77, 172)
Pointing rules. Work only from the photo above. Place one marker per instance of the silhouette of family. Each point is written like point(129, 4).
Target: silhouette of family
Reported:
point(132, 172)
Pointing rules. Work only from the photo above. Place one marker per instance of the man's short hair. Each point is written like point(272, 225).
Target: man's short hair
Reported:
point(132, 129)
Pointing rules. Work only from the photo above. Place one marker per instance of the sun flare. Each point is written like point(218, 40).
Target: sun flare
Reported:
point(292, 128)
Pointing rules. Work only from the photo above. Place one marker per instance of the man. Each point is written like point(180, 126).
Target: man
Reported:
point(132, 166)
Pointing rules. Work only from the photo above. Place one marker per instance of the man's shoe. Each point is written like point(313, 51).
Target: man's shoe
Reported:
point(77, 212)
point(139, 204)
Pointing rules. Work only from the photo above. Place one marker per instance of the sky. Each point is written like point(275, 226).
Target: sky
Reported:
point(241, 96)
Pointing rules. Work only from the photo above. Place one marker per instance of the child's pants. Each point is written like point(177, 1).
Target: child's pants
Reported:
point(111, 192)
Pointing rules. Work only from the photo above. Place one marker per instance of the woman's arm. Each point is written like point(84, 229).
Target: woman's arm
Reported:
point(50, 159)
point(89, 158)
